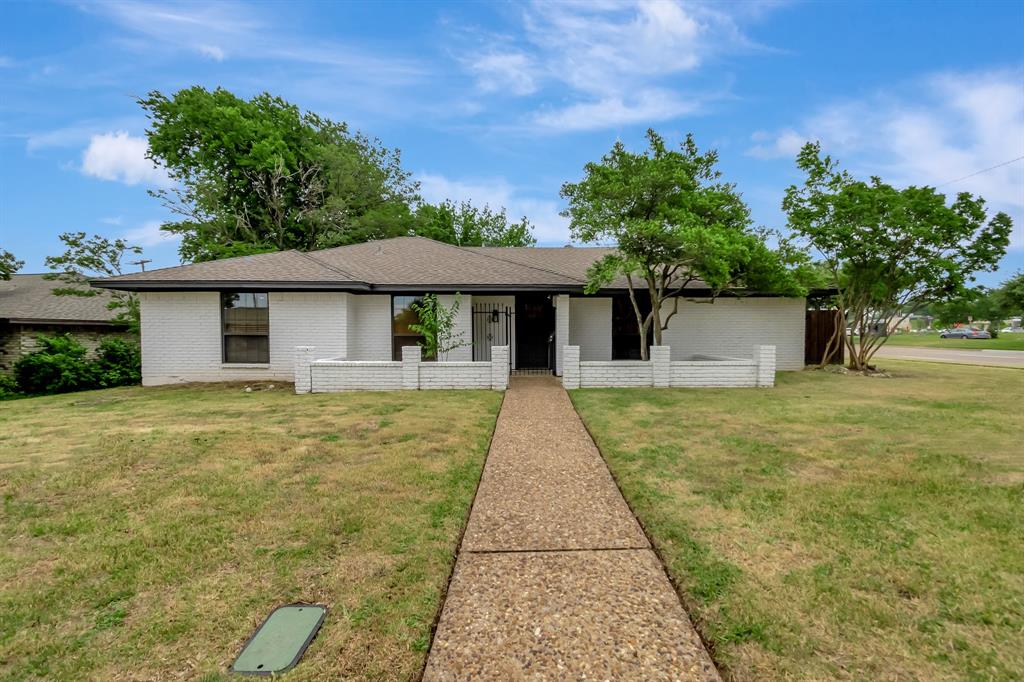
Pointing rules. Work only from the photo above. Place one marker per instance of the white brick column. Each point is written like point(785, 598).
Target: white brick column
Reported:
point(499, 367)
point(571, 371)
point(303, 369)
point(764, 356)
point(561, 328)
point(411, 357)
point(661, 366)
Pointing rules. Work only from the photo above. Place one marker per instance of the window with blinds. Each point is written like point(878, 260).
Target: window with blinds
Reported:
point(245, 318)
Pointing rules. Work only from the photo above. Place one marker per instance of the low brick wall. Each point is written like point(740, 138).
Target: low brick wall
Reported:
point(660, 371)
point(334, 375)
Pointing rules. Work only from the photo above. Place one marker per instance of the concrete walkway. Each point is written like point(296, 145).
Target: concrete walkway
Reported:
point(555, 578)
point(957, 356)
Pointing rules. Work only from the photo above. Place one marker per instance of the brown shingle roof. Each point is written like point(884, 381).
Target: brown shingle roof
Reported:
point(401, 263)
point(31, 297)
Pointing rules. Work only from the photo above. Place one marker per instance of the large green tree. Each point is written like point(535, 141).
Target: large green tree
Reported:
point(890, 250)
point(260, 175)
point(8, 264)
point(463, 224)
point(674, 222)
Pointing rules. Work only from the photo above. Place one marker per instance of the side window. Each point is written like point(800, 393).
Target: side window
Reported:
point(245, 319)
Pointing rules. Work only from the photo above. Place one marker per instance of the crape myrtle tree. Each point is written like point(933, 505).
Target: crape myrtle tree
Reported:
point(9, 264)
point(890, 250)
point(674, 222)
point(86, 258)
point(259, 175)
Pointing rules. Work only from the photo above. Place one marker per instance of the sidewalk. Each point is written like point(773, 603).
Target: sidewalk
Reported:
point(555, 579)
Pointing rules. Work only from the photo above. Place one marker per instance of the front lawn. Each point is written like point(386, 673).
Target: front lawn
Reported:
point(836, 526)
point(1003, 342)
point(145, 533)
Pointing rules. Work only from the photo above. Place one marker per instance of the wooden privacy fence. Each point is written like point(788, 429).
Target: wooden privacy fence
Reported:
point(818, 329)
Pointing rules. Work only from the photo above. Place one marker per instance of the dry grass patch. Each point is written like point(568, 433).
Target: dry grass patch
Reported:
point(146, 532)
point(836, 527)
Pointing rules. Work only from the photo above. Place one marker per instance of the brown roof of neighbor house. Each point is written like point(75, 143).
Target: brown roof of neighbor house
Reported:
point(30, 298)
point(387, 265)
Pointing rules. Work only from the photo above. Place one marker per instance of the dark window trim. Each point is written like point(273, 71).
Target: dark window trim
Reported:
point(223, 345)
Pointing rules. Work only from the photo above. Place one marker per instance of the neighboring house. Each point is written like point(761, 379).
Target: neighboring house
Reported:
point(242, 318)
point(28, 308)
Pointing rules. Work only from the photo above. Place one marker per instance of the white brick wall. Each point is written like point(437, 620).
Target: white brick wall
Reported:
point(315, 319)
point(590, 327)
point(455, 375)
point(661, 372)
point(714, 373)
point(732, 327)
point(369, 327)
point(615, 373)
point(181, 335)
point(181, 338)
point(328, 376)
point(562, 313)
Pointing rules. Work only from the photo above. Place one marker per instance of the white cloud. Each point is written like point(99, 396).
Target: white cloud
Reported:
point(112, 220)
point(504, 72)
point(785, 144)
point(121, 157)
point(247, 31)
point(621, 61)
point(213, 52)
point(931, 132)
point(149, 234)
point(549, 227)
point(641, 107)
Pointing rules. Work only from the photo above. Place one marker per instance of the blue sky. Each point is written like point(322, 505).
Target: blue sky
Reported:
point(501, 103)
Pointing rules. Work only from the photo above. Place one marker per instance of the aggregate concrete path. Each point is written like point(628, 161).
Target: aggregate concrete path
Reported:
point(957, 356)
point(555, 578)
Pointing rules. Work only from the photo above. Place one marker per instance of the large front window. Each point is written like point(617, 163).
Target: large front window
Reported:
point(402, 316)
point(246, 322)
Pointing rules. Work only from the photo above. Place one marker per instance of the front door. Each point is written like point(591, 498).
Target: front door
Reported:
point(535, 328)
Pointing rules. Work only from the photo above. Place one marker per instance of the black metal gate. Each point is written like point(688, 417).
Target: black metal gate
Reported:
point(492, 326)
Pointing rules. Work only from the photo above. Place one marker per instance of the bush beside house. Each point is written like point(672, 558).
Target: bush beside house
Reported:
point(62, 365)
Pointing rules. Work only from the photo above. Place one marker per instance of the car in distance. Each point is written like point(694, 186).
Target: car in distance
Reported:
point(965, 333)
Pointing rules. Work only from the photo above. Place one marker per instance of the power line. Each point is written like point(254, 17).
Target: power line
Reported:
point(986, 170)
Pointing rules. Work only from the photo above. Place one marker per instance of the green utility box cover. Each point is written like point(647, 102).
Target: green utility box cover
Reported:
point(280, 641)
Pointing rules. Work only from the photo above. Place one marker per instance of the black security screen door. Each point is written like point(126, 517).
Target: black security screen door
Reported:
point(535, 325)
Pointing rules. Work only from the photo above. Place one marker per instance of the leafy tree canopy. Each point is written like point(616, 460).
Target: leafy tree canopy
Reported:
point(9, 264)
point(890, 250)
point(261, 175)
point(674, 222)
point(86, 258)
point(466, 225)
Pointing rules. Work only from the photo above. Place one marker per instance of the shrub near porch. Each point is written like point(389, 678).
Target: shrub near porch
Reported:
point(836, 526)
point(147, 532)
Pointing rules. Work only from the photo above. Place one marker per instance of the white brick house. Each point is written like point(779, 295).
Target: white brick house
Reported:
point(243, 318)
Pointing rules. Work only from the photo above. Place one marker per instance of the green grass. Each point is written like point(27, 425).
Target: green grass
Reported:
point(1003, 342)
point(146, 532)
point(836, 526)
